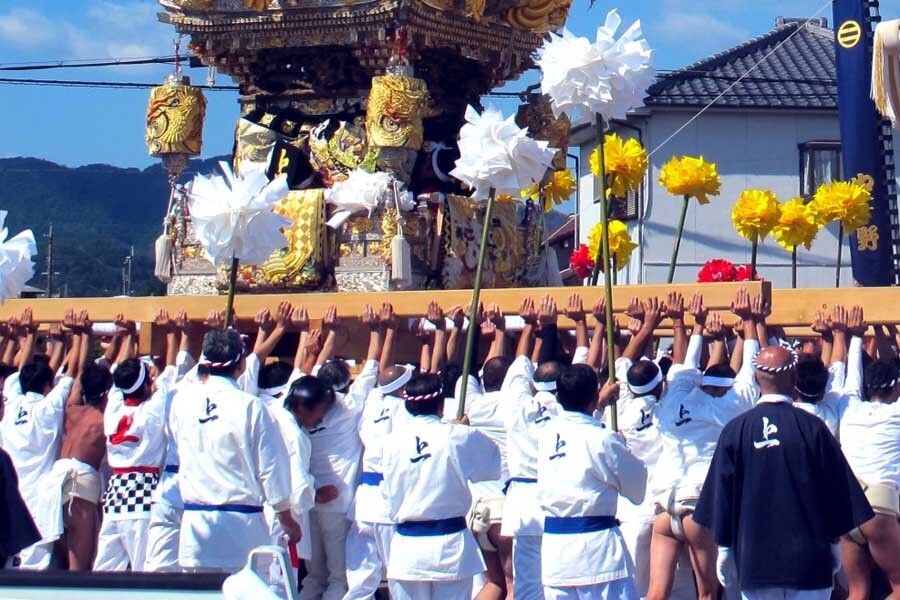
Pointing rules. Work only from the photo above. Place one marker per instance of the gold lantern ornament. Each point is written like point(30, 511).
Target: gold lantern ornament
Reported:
point(175, 123)
point(175, 134)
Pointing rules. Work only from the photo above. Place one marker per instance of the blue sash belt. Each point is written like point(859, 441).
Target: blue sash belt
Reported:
point(246, 509)
point(517, 480)
point(171, 468)
point(432, 528)
point(369, 478)
point(579, 524)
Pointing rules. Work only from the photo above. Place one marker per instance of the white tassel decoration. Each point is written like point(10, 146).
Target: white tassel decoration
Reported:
point(401, 252)
point(164, 248)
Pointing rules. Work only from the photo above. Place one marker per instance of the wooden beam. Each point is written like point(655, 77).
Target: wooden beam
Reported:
point(798, 307)
point(406, 304)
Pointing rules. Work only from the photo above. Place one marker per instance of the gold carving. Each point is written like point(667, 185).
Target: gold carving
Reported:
point(257, 5)
point(175, 118)
point(868, 238)
point(299, 263)
point(195, 4)
point(254, 143)
point(395, 110)
point(346, 149)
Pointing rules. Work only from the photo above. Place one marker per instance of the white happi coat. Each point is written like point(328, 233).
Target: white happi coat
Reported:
point(829, 408)
point(427, 465)
point(303, 490)
point(870, 431)
point(522, 514)
point(31, 431)
point(336, 447)
point(231, 453)
point(582, 469)
point(690, 422)
point(381, 416)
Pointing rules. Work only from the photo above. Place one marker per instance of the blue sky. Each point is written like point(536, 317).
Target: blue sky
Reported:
point(76, 126)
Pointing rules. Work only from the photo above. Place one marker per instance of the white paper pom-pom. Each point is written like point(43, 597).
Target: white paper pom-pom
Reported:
point(16, 264)
point(232, 215)
point(609, 77)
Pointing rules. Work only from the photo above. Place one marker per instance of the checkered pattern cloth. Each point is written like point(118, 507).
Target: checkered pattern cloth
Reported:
point(129, 493)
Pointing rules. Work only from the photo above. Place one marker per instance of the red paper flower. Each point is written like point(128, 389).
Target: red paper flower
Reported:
point(717, 271)
point(581, 262)
point(742, 273)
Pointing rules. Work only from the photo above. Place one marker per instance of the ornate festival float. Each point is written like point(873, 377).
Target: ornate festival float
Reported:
point(358, 106)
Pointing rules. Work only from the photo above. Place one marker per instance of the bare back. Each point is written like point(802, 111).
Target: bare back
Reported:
point(84, 438)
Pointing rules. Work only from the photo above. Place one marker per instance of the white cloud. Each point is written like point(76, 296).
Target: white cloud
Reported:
point(108, 29)
point(25, 28)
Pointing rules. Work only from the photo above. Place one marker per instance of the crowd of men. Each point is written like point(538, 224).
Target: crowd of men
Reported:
point(743, 462)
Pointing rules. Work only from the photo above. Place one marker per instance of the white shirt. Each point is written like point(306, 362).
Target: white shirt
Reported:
point(381, 416)
point(336, 447)
point(136, 431)
point(32, 432)
point(522, 514)
point(582, 469)
point(870, 430)
point(427, 466)
point(230, 447)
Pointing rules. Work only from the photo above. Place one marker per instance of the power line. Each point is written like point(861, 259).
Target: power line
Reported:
point(102, 84)
point(113, 62)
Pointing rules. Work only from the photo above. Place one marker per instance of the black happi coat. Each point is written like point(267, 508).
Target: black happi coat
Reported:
point(17, 529)
point(779, 492)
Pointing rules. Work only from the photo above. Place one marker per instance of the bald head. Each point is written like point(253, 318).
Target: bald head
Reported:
point(776, 370)
point(389, 375)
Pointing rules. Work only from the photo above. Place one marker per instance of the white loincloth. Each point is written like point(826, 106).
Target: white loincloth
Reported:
point(486, 511)
point(68, 479)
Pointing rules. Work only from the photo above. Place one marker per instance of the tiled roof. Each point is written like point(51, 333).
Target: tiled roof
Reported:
point(799, 74)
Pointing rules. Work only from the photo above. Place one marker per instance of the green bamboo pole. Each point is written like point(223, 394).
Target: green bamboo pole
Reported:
point(232, 284)
point(794, 268)
point(607, 277)
point(476, 296)
point(754, 248)
point(837, 273)
point(684, 209)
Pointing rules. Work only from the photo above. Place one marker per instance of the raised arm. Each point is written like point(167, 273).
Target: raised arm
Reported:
point(761, 311)
point(165, 324)
point(718, 353)
point(495, 315)
point(276, 329)
point(313, 347)
point(675, 312)
point(435, 316)
point(29, 328)
point(529, 316)
point(548, 316)
point(389, 324)
point(426, 343)
point(300, 322)
point(649, 313)
point(458, 317)
point(821, 327)
point(370, 319)
point(745, 308)
point(598, 342)
point(856, 329)
point(13, 331)
point(330, 323)
point(700, 312)
point(57, 339)
point(837, 326)
point(128, 330)
point(575, 311)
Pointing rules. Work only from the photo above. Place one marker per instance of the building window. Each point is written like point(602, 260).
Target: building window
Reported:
point(820, 162)
point(625, 209)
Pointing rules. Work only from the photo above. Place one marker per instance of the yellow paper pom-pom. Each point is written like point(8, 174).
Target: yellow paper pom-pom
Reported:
point(692, 177)
point(844, 201)
point(533, 193)
point(798, 224)
point(755, 213)
point(559, 189)
point(625, 164)
point(620, 244)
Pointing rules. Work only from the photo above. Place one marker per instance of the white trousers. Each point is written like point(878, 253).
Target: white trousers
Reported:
point(622, 589)
point(162, 538)
point(36, 556)
point(527, 567)
point(122, 543)
point(326, 576)
point(460, 589)
point(368, 553)
point(785, 594)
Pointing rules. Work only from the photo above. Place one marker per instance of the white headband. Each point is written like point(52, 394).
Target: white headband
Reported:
point(647, 387)
point(725, 382)
point(390, 388)
point(275, 392)
point(544, 386)
point(142, 376)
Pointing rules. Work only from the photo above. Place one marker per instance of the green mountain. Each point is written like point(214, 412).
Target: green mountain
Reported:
point(98, 212)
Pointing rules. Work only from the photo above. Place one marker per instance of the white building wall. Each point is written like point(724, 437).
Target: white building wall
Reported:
point(753, 149)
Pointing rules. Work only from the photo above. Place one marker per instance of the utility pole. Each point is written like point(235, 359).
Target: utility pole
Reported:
point(127, 267)
point(50, 273)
